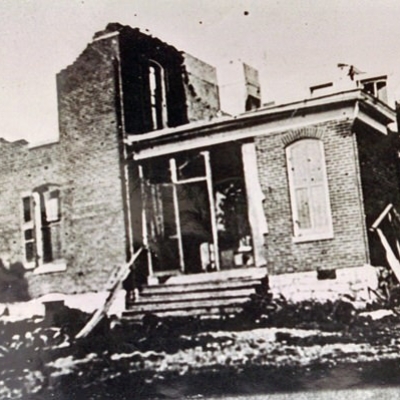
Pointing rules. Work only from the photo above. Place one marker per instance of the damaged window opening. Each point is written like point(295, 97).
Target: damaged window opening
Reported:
point(41, 227)
point(309, 190)
point(157, 95)
point(196, 216)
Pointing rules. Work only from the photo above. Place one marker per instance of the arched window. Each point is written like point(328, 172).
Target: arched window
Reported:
point(157, 95)
point(309, 190)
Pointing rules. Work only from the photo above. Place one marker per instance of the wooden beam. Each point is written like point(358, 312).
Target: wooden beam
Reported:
point(390, 256)
point(145, 234)
point(381, 217)
point(174, 180)
point(121, 274)
point(213, 214)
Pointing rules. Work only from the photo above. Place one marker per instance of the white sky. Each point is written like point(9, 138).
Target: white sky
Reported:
point(293, 43)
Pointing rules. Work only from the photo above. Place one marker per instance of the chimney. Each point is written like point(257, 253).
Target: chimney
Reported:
point(201, 87)
point(239, 88)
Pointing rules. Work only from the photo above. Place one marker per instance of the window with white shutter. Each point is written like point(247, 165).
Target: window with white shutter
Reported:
point(41, 229)
point(309, 190)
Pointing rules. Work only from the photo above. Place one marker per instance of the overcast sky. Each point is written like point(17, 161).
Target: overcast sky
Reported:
point(293, 43)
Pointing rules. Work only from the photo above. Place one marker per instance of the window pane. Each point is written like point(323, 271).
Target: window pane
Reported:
point(26, 203)
point(29, 251)
point(28, 234)
point(303, 209)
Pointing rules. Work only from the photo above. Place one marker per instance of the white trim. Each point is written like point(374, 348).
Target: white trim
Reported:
point(313, 238)
point(35, 224)
point(158, 69)
point(38, 227)
point(305, 235)
point(255, 198)
point(42, 143)
point(24, 226)
point(213, 216)
point(290, 109)
point(372, 122)
point(54, 266)
point(267, 128)
point(174, 180)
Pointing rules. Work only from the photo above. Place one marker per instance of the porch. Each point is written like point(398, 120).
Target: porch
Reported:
point(202, 226)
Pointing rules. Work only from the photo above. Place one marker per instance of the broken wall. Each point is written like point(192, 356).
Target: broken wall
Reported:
point(201, 89)
point(91, 152)
point(379, 169)
point(348, 247)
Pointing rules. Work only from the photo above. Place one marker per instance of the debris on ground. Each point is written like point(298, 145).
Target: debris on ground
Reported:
point(39, 358)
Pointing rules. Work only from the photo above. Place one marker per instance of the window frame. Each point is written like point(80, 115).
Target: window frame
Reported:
point(157, 95)
point(37, 201)
point(28, 225)
point(309, 234)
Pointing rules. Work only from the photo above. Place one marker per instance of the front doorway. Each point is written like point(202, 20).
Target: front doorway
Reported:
point(195, 213)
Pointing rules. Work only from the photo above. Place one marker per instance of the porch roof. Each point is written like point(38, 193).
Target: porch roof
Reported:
point(350, 105)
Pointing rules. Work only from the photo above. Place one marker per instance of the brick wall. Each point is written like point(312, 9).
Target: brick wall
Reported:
point(201, 89)
point(348, 247)
point(21, 170)
point(94, 233)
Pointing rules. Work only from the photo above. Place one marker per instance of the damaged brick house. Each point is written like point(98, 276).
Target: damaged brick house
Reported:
point(146, 159)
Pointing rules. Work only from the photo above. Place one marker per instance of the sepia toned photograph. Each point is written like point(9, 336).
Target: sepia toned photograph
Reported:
point(199, 200)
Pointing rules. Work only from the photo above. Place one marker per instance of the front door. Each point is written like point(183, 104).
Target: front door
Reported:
point(179, 218)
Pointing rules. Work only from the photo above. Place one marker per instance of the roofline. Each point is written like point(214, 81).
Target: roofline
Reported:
point(357, 98)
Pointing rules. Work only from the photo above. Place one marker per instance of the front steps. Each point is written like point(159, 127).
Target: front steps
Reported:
point(207, 294)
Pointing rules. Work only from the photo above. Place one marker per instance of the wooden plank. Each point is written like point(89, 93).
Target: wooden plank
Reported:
point(381, 217)
point(122, 274)
point(390, 256)
point(167, 298)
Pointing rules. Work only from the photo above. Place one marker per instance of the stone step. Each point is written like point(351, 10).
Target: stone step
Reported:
point(186, 307)
point(202, 286)
point(191, 296)
point(205, 294)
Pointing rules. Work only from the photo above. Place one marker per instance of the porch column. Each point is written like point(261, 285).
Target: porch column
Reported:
point(174, 180)
point(145, 234)
point(213, 216)
point(255, 197)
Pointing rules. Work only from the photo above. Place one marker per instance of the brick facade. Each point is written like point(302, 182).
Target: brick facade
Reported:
point(102, 95)
point(104, 99)
point(348, 247)
point(90, 142)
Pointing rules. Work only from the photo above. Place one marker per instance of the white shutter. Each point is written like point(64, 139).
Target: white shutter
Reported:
point(309, 189)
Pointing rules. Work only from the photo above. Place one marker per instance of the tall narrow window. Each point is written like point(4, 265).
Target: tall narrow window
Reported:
point(41, 232)
point(157, 95)
point(28, 234)
point(309, 190)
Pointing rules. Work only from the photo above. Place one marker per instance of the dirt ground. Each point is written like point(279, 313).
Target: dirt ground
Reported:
point(295, 348)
